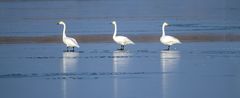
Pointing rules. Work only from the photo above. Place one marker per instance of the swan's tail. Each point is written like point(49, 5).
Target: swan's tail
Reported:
point(179, 42)
point(77, 46)
point(133, 43)
point(130, 42)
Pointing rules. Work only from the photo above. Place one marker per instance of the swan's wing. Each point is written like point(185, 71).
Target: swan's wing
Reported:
point(70, 42)
point(170, 40)
point(123, 40)
point(75, 42)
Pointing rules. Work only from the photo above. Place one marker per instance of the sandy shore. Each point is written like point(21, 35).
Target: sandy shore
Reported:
point(108, 38)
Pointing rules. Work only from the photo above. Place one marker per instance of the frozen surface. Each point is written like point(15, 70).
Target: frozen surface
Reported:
point(98, 70)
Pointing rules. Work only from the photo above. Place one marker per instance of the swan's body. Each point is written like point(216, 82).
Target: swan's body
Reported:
point(166, 39)
point(122, 40)
point(68, 41)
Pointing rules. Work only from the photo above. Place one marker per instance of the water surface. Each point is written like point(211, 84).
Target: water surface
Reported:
point(203, 69)
point(39, 17)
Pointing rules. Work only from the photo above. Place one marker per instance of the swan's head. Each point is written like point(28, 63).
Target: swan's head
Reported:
point(165, 24)
point(114, 22)
point(60, 22)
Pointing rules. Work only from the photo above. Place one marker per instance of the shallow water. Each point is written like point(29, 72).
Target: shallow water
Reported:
point(39, 17)
point(98, 70)
point(199, 70)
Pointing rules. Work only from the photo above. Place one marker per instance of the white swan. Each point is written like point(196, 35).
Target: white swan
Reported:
point(122, 40)
point(68, 41)
point(168, 40)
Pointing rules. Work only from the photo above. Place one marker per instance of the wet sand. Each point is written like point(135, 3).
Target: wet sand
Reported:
point(96, 38)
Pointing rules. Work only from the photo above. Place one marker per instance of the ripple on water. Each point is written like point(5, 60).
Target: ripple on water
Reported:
point(83, 75)
point(101, 54)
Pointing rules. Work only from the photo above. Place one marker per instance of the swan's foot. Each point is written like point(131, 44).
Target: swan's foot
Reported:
point(66, 50)
point(69, 50)
point(72, 50)
point(167, 48)
point(122, 47)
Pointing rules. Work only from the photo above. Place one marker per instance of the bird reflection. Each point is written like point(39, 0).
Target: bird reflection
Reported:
point(169, 61)
point(120, 60)
point(70, 60)
point(120, 64)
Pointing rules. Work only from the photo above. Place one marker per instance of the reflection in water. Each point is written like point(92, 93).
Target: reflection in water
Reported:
point(169, 61)
point(120, 60)
point(120, 64)
point(70, 60)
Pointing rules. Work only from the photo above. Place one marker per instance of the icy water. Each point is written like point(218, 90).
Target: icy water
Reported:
point(41, 69)
point(39, 17)
point(190, 70)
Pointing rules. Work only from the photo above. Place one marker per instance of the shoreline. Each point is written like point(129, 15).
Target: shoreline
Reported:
point(101, 38)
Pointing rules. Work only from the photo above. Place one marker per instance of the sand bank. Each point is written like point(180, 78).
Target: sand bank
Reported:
point(108, 38)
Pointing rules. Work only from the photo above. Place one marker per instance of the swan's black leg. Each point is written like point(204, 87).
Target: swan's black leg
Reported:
point(121, 48)
point(73, 49)
point(168, 48)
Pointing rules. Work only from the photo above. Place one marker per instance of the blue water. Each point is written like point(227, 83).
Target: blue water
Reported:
point(98, 70)
point(39, 17)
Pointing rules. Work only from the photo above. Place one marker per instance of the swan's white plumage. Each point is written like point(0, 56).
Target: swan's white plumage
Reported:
point(166, 39)
point(169, 40)
point(122, 40)
point(68, 41)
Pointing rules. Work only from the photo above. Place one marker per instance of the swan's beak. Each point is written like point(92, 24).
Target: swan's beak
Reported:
point(167, 24)
point(113, 22)
point(58, 23)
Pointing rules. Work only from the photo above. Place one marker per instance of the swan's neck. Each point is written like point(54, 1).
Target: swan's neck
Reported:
point(115, 30)
point(64, 30)
point(163, 30)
